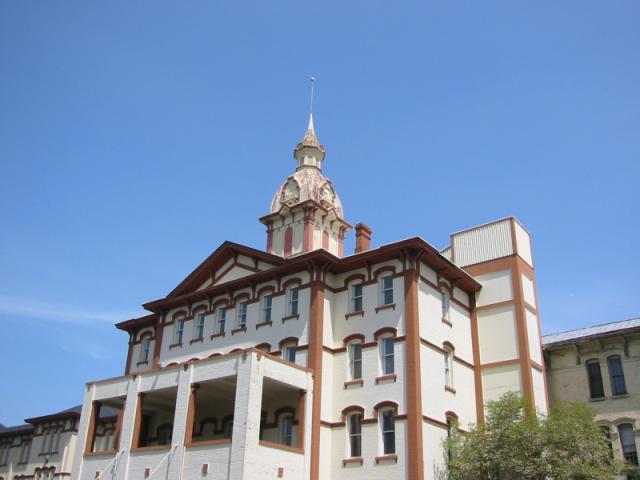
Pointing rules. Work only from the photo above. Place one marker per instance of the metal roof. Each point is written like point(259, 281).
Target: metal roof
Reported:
point(588, 332)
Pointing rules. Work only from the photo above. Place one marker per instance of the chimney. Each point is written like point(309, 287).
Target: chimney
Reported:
point(363, 238)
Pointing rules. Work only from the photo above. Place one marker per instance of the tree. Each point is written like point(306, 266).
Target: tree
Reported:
point(517, 444)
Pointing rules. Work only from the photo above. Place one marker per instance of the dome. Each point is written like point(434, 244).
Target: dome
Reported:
point(307, 183)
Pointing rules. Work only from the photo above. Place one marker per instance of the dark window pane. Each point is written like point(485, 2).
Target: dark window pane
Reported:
point(595, 379)
point(618, 386)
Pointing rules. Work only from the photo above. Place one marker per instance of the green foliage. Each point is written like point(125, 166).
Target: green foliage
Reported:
point(515, 444)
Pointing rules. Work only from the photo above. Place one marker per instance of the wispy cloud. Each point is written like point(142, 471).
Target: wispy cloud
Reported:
point(58, 313)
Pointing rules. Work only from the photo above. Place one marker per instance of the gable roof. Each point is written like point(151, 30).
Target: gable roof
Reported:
point(217, 259)
point(583, 334)
point(186, 292)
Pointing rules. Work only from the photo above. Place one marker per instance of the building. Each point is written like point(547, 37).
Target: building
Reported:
point(304, 362)
point(601, 365)
point(41, 449)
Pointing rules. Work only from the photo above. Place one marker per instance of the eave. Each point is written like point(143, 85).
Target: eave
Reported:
point(413, 246)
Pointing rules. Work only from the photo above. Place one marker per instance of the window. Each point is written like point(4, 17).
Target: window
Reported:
point(286, 430)
point(451, 429)
point(388, 431)
point(356, 297)
point(444, 297)
point(628, 443)
point(355, 435)
point(289, 352)
point(606, 431)
point(596, 389)
point(227, 427)
point(448, 367)
point(144, 350)
point(199, 331)
point(267, 302)
point(164, 434)
point(355, 360)
point(222, 318)
point(616, 375)
point(4, 453)
point(386, 290)
point(242, 314)
point(177, 336)
point(293, 301)
point(386, 355)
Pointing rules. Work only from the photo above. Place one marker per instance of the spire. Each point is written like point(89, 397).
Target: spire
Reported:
point(309, 152)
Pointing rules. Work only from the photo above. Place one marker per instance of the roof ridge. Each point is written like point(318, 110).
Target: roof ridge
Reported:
point(591, 326)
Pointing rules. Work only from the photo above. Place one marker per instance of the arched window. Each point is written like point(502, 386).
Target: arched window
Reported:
point(221, 320)
point(387, 360)
point(286, 429)
point(354, 430)
point(594, 375)
point(616, 375)
point(288, 241)
point(355, 298)
point(386, 289)
point(144, 349)
point(178, 331)
point(445, 301)
point(242, 314)
point(448, 365)
point(267, 302)
point(628, 443)
point(452, 426)
point(355, 359)
point(606, 431)
point(198, 332)
point(289, 346)
point(292, 301)
point(388, 430)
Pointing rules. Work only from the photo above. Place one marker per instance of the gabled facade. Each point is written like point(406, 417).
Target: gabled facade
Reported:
point(303, 362)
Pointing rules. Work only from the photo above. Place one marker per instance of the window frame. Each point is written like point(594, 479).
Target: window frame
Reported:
point(387, 339)
point(352, 347)
point(283, 436)
point(266, 310)
point(588, 364)
point(617, 379)
point(630, 454)
point(178, 332)
point(293, 304)
point(145, 347)
point(383, 300)
point(354, 420)
point(221, 320)
point(241, 314)
point(356, 302)
point(287, 349)
point(445, 299)
point(449, 353)
point(198, 328)
point(386, 433)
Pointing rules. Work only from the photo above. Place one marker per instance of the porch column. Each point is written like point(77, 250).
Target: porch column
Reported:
point(246, 420)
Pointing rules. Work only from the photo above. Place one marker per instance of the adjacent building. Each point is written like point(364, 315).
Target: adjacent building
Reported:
point(601, 365)
point(41, 449)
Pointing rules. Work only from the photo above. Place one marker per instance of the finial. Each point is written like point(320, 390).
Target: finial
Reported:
point(312, 79)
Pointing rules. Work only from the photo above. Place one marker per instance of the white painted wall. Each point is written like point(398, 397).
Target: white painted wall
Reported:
point(497, 334)
point(496, 381)
point(496, 287)
point(523, 241)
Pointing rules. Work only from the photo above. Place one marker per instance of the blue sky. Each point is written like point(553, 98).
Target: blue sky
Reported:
point(135, 137)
